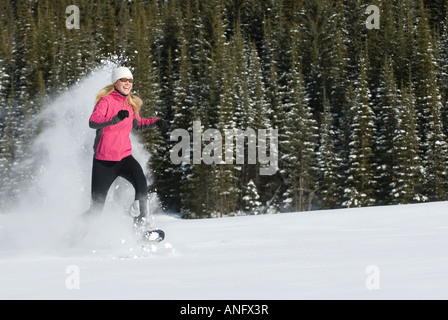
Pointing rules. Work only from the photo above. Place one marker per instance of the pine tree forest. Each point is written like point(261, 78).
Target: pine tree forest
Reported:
point(359, 97)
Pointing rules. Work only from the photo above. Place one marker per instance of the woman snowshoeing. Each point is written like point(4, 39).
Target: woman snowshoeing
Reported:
point(116, 113)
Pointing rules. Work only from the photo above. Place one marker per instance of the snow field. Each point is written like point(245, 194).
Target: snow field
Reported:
point(396, 252)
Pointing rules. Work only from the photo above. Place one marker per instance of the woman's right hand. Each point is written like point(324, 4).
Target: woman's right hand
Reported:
point(122, 114)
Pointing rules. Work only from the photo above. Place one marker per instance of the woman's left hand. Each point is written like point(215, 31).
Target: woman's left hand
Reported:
point(163, 125)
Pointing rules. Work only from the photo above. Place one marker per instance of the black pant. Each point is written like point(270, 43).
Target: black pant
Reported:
point(104, 174)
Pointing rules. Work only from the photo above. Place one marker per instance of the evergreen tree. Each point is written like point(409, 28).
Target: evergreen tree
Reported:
point(388, 104)
point(380, 43)
point(225, 186)
point(433, 147)
point(300, 156)
point(360, 189)
point(337, 75)
point(443, 71)
point(406, 177)
point(320, 22)
point(251, 199)
point(403, 52)
point(240, 90)
point(106, 28)
point(258, 115)
point(25, 77)
point(327, 160)
point(356, 31)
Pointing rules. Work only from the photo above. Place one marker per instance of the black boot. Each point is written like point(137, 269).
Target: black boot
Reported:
point(140, 220)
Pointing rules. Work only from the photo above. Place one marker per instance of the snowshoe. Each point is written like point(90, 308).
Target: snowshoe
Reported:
point(155, 235)
point(143, 222)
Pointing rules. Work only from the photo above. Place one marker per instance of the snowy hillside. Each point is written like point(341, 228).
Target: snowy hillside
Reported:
point(397, 252)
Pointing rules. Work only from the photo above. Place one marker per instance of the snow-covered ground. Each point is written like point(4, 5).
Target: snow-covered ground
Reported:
point(396, 252)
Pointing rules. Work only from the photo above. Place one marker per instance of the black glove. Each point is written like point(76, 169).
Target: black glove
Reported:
point(122, 114)
point(163, 125)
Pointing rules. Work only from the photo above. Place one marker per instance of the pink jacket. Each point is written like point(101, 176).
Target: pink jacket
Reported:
point(112, 142)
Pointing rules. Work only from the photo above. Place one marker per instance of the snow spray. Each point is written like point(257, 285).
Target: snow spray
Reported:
point(58, 190)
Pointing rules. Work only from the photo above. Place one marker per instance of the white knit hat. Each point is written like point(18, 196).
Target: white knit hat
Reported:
point(121, 72)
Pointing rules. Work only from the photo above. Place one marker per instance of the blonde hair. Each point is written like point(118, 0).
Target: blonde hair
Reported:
point(132, 99)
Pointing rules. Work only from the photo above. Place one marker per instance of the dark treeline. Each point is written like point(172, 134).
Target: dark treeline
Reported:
point(361, 113)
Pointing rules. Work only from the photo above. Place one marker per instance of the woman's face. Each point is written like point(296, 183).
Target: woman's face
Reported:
point(124, 87)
